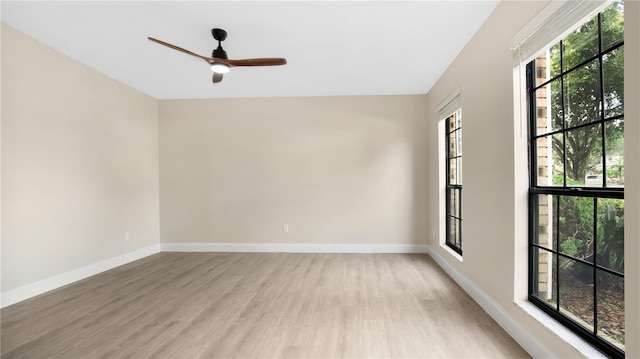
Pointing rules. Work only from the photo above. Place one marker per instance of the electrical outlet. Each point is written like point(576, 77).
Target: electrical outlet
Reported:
point(285, 228)
point(126, 236)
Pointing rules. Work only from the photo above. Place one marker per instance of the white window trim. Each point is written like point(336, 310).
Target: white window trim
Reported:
point(450, 105)
point(445, 109)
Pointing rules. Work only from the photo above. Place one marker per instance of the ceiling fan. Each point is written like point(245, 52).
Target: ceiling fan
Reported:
point(219, 62)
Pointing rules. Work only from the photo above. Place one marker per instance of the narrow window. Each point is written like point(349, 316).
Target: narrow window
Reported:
point(576, 196)
point(453, 140)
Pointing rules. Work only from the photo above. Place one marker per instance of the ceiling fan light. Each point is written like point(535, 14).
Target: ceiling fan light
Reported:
point(220, 68)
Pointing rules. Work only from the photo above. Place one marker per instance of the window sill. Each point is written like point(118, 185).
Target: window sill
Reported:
point(582, 346)
point(451, 251)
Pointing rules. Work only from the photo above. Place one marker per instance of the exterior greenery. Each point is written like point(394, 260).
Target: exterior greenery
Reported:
point(576, 224)
point(585, 103)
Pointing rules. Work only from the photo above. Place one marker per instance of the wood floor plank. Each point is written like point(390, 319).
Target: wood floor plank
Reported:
point(255, 305)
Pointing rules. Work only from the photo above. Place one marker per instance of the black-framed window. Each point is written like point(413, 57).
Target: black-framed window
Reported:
point(576, 196)
point(453, 136)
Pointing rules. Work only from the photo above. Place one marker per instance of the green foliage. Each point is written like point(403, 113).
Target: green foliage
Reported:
point(611, 234)
point(582, 102)
point(576, 226)
point(616, 169)
point(572, 246)
point(576, 230)
point(558, 178)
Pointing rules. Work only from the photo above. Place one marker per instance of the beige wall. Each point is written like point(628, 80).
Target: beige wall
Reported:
point(79, 164)
point(335, 169)
point(632, 170)
point(494, 246)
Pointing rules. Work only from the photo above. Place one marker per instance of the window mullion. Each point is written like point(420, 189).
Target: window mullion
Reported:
point(595, 266)
point(564, 115)
point(604, 178)
point(557, 250)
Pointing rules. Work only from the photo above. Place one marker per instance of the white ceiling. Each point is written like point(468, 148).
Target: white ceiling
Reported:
point(332, 47)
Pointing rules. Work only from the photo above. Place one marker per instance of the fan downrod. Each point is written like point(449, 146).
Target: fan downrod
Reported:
point(219, 34)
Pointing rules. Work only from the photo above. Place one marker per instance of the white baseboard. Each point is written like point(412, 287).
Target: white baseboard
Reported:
point(31, 290)
point(528, 342)
point(293, 248)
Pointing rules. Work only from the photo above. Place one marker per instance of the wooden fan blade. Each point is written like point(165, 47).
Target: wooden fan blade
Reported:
point(217, 77)
point(273, 61)
point(207, 59)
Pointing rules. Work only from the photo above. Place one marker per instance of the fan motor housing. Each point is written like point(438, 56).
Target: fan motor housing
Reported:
point(219, 53)
point(219, 34)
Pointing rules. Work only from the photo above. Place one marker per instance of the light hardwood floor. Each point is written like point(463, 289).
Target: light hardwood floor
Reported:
point(250, 305)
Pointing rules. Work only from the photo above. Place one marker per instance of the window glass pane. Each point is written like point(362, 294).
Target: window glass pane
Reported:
point(550, 160)
point(455, 143)
point(613, 25)
point(580, 45)
point(548, 108)
point(613, 77)
point(582, 95)
point(576, 227)
point(453, 171)
point(453, 230)
point(544, 161)
point(557, 107)
point(615, 153)
point(554, 60)
point(576, 291)
point(611, 308)
point(584, 156)
point(459, 234)
point(545, 277)
point(452, 123)
point(454, 202)
point(542, 69)
point(610, 234)
point(547, 221)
